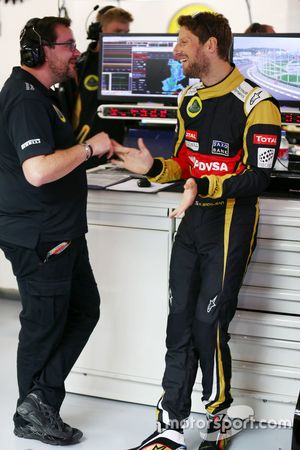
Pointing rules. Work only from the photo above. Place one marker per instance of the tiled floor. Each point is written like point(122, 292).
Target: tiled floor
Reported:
point(107, 425)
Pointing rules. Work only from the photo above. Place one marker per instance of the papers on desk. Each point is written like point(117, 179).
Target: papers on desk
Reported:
point(132, 186)
point(105, 179)
point(104, 176)
point(116, 179)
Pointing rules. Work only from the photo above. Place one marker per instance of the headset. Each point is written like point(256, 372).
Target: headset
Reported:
point(95, 27)
point(255, 28)
point(31, 50)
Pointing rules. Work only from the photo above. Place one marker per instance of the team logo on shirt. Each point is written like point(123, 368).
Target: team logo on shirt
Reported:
point(220, 148)
point(265, 157)
point(194, 107)
point(91, 82)
point(59, 113)
point(265, 139)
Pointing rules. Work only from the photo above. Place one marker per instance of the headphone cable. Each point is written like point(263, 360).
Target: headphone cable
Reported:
point(91, 12)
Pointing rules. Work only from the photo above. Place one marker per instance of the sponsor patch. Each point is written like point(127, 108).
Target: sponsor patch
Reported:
point(91, 82)
point(220, 148)
point(30, 142)
point(191, 135)
point(253, 98)
point(212, 304)
point(209, 166)
point(265, 157)
point(194, 107)
point(193, 89)
point(265, 139)
point(194, 146)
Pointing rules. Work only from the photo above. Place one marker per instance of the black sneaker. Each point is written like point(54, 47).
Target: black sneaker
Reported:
point(165, 440)
point(44, 417)
point(217, 436)
point(28, 431)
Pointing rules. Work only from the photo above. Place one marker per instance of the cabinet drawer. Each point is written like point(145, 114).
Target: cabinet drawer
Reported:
point(277, 352)
point(265, 325)
point(261, 379)
point(269, 229)
point(269, 299)
point(265, 378)
point(277, 252)
point(273, 275)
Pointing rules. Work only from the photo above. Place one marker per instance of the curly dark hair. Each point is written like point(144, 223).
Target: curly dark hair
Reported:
point(205, 25)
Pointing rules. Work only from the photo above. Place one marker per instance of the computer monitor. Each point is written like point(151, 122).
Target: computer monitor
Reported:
point(137, 68)
point(272, 61)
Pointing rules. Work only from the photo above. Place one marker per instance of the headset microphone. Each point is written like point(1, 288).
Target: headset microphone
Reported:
point(86, 22)
point(95, 27)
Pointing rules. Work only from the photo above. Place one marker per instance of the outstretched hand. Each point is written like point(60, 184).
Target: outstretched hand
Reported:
point(188, 198)
point(138, 160)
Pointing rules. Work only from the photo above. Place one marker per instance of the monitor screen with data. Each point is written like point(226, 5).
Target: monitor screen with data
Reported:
point(272, 61)
point(139, 68)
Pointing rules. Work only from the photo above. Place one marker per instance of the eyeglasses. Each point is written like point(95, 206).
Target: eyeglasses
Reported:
point(70, 44)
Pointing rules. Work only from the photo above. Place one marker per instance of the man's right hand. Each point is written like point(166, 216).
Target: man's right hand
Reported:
point(188, 198)
point(137, 160)
point(101, 144)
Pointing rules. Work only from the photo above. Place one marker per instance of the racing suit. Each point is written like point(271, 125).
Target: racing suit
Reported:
point(228, 136)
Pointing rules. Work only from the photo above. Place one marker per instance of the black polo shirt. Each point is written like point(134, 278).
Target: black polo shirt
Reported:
point(30, 125)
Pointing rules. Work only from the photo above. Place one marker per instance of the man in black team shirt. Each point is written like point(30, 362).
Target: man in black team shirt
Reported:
point(228, 134)
point(43, 192)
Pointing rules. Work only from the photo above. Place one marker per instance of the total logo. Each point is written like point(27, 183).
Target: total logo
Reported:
point(267, 139)
point(209, 166)
point(191, 135)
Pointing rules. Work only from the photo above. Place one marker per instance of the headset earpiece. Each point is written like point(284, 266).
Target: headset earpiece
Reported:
point(95, 27)
point(31, 51)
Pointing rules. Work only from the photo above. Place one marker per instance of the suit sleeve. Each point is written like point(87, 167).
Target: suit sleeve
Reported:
point(261, 142)
point(177, 167)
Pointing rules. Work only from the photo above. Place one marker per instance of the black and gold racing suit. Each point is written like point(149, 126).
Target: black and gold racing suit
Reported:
point(227, 139)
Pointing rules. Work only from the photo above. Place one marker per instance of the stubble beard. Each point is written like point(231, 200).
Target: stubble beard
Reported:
point(61, 72)
point(197, 69)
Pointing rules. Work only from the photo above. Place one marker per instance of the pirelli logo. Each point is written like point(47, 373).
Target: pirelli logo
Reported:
point(265, 139)
point(30, 142)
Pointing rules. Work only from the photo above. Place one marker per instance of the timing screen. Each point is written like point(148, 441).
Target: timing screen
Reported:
point(140, 67)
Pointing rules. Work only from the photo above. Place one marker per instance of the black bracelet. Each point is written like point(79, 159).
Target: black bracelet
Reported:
point(88, 150)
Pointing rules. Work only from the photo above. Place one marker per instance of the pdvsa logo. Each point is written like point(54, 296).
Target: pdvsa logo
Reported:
point(209, 166)
point(265, 139)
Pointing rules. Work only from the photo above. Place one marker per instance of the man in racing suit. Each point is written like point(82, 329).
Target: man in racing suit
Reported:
point(228, 136)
